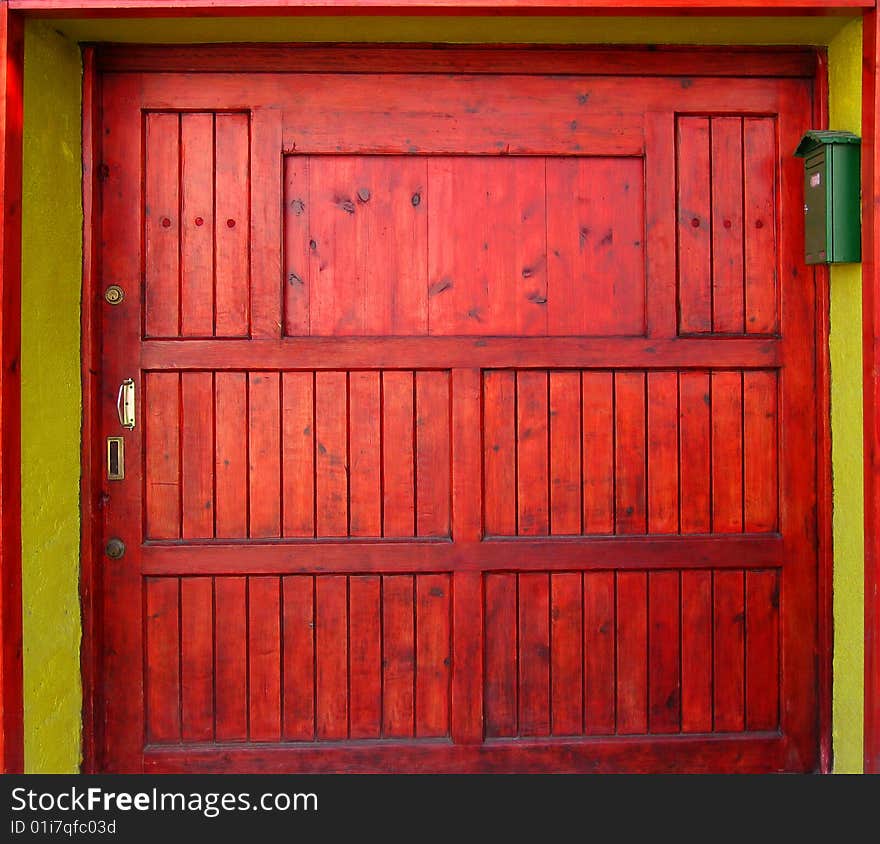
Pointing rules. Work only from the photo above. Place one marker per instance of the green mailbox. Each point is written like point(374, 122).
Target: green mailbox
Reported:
point(832, 197)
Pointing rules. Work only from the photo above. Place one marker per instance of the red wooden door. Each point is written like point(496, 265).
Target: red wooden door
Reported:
point(475, 414)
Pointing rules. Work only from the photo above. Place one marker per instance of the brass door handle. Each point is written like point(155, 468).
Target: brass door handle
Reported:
point(125, 404)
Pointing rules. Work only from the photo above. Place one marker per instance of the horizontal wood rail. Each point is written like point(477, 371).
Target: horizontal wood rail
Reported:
point(316, 556)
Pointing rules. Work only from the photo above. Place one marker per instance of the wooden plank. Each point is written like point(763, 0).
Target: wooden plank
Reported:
point(467, 658)
point(532, 446)
point(264, 454)
point(663, 457)
point(365, 453)
point(331, 454)
point(398, 464)
point(298, 453)
point(197, 454)
point(162, 447)
point(501, 686)
point(595, 244)
point(264, 658)
point(513, 554)
point(298, 666)
point(632, 652)
point(331, 657)
point(762, 650)
point(297, 245)
point(398, 656)
point(230, 658)
point(433, 642)
point(727, 452)
point(694, 449)
point(760, 451)
point(629, 453)
point(759, 200)
point(467, 424)
point(600, 636)
point(694, 226)
point(696, 651)
point(197, 658)
point(433, 454)
point(729, 653)
point(163, 659)
point(728, 296)
point(664, 643)
point(533, 650)
point(327, 353)
point(566, 510)
point(499, 437)
point(231, 464)
point(197, 225)
point(566, 654)
point(162, 226)
point(365, 657)
point(598, 452)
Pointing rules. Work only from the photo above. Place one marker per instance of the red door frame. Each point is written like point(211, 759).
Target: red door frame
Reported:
point(12, 14)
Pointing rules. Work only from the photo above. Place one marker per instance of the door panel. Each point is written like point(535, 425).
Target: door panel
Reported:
point(475, 423)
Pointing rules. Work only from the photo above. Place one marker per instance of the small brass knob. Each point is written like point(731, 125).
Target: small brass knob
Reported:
point(114, 548)
point(114, 294)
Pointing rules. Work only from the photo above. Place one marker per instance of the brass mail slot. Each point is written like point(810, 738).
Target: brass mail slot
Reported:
point(115, 458)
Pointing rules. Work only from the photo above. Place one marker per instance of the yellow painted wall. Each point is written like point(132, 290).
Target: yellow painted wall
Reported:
point(845, 112)
point(51, 399)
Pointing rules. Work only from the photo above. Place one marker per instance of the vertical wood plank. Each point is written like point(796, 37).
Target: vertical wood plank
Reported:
point(331, 656)
point(501, 692)
point(598, 452)
point(231, 467)
point(600, 660)
point(230, 658)
point(233, 175)
point(694, 448)
point(566, 654)
point(433, 655)
point(163, 659)
point(762, 650)
point(663, 460)
point(728, 303)
point(298, 453)
point(162, 454)
point(365, 452)
point(264, 454)
point(759, 174)
point(532, 445)
point(632, 652)
point(565, 453)
point(694, 226)
point(534, 654)
point(433, 455)
point(499, 434)
point(629, 452)
point(197, 225)
point(197, 470)
point(696, 651)
point(197, 658)
point(729, 624)
point(398, 656)
point(331, 454)
point(264, 658)
point(266, 198)
point(664, 636)
point(298, 668)
point(727, 452)
point(297, 237)
point(397, 454)
point(760, 451)
point(365, 657)
point(162, 226)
